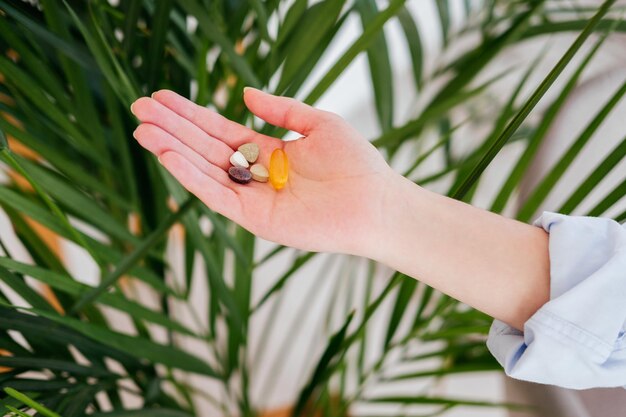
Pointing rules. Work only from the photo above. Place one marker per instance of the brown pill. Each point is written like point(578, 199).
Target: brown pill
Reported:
point(239, 175)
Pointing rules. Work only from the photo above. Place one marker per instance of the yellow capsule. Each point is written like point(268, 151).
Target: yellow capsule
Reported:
point(279, 169)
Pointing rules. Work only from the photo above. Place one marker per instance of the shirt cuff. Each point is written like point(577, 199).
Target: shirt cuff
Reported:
point(576, 340)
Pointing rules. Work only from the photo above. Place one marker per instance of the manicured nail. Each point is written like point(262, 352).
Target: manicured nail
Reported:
point(247, 88)
point(131, 108)
point(152, 95)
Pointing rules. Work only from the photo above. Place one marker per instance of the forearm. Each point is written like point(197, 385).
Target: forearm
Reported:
point(497, 265)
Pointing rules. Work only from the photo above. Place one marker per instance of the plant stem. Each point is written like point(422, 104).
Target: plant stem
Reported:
point(132, 258)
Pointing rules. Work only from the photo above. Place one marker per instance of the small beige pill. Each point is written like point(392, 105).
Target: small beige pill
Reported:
point(250, 151)
point(238, 160)
point(259, 173)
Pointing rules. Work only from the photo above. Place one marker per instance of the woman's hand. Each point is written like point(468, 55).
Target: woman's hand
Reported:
point(343, 197)
point(334, 199)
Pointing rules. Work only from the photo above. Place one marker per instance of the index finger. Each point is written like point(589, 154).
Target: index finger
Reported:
point(213, 123)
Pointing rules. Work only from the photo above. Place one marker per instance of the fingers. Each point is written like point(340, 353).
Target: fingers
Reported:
point(214, 194)
point(158, 141)
point(214, 124)
point(287, 112)
point(183, 136)
point(213, 150)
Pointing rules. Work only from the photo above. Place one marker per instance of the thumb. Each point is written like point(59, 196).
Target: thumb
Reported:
point(285, 111)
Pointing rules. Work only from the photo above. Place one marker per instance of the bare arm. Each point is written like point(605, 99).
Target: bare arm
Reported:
point(343, 197)
point(497, 265)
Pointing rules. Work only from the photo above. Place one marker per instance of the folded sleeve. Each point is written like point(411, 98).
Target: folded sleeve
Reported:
point(577, 339)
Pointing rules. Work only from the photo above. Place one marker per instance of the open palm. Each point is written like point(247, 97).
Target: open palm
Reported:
point(337, 179)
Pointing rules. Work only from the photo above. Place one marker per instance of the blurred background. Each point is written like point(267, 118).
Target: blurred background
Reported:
point(122, 295)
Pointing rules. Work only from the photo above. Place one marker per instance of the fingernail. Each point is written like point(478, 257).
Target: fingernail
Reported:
point(247, 88)
point(159, 159)
point(131, 108)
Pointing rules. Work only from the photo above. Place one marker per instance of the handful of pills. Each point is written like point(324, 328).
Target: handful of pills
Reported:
point(246, 155)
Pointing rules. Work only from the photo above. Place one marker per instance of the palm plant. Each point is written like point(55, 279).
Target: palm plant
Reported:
point(69, 71)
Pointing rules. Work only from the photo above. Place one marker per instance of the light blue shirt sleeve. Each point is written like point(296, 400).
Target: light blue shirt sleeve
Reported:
point(576, 340)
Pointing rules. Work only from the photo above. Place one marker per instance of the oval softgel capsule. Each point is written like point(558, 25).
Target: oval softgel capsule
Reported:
point(279, 169)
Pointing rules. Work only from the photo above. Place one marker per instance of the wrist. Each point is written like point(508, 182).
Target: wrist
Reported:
point(402, 204)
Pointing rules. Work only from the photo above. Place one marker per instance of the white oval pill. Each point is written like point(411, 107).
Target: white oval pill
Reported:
point(238, 160)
